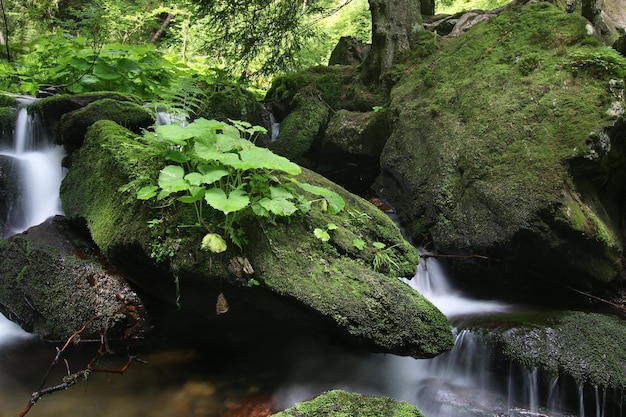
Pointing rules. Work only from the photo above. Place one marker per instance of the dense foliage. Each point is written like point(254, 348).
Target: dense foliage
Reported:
point(144, 46)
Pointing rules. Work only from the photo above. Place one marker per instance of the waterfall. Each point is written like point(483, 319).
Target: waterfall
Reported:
point(32, 166)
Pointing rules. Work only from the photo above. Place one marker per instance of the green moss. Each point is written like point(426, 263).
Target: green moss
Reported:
point(73, 126)
point(344, 404)
point(336, 279)
point(7, 101)
point(301, 127)
point(587, 346)
point(486, 127)
point(96, 187)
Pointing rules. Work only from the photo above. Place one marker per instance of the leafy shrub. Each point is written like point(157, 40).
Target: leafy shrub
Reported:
point(216, 167)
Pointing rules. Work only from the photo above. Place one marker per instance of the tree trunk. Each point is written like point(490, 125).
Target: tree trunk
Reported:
point(393, 24)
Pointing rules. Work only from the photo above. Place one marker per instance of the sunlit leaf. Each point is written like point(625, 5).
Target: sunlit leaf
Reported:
point(146, 193)
point(235, 201)
point(214, 243)
point(278, 206)
point(171, 179)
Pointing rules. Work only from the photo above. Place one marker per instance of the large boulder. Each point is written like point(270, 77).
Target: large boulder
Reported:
point(508, 144)
point(52, 284)
point(285, 279)
point(585, 348)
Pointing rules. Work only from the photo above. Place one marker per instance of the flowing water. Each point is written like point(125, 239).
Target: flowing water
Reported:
point(36, 163)
point(185, 380)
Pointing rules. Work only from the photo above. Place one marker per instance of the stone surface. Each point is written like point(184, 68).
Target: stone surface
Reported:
point(52, 284)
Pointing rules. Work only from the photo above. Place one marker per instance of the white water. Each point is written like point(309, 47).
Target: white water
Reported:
point(39, 172)
point(431, 281)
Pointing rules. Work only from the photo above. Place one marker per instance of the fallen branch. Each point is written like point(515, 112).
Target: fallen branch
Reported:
point(74, 378)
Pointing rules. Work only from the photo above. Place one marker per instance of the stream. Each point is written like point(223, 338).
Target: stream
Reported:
point(187, 380)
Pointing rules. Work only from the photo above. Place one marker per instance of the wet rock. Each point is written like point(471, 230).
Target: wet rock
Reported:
point(52, 284)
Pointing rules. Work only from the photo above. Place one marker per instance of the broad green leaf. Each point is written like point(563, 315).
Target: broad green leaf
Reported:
point(359, 244)
point(104, 71)
point(209, 153)
point(214, 243)
point(194, 178)
point(333, 201)
point(174, 134)
point(331, 226)
point(195, 194)
point(212, 173)
point(256, 157)
point(379, 245)
point(171, 179)
point(235, 201)
point(281, 192)
point(227, 143)
point(177, 156)
point(146, 193)
point(259, 210)
point(321, 234)
point(278, 206)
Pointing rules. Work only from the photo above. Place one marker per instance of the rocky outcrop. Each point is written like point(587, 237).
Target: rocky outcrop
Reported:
point(52, 284)
point(340, 403)
point(71, 129)
point(302, 280)
point(588, 347)
point(512, 149)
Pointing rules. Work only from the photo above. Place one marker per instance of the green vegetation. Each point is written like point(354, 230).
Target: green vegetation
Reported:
point(217, 164)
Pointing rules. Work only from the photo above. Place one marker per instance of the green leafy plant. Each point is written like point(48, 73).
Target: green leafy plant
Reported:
point(216, 168)
point(382, 257)
point(323, 234)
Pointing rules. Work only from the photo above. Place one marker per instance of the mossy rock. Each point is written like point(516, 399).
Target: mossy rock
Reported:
point(71, 130)
point(589, 347)
point(339, 403)
point(7, 101)
point(52, 287)
point(301, 128)
point(51, 109)
point(506, 144)
point(331, 284)
point(7, 125)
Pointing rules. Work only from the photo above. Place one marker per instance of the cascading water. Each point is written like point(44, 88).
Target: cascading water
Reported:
point(34, 170)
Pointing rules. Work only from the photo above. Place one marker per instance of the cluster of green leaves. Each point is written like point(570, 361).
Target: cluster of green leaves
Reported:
point(63, 60)
point(382, 255)
point(217, 168)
